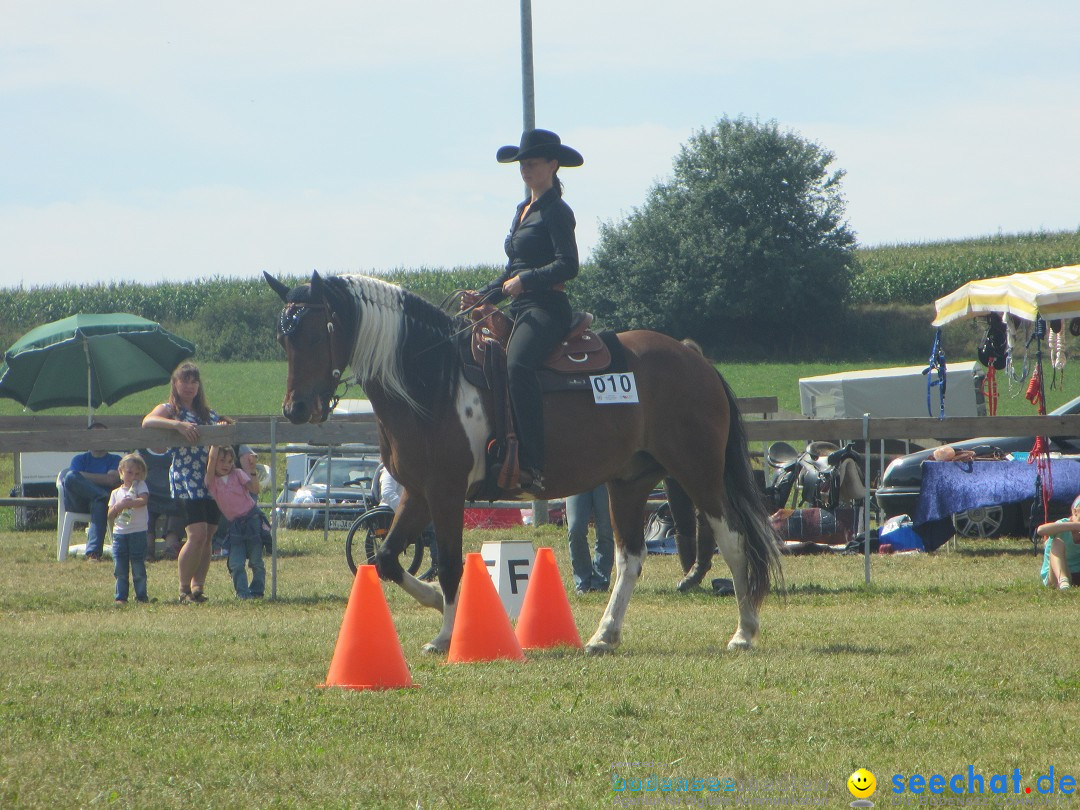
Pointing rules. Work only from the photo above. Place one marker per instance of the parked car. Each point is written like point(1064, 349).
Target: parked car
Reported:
point(350, 492)
point(900, 486)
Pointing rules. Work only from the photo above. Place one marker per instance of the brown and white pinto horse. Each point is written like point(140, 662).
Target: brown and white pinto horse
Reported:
point(434, 426)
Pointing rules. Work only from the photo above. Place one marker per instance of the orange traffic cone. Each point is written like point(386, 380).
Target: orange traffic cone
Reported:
point(368, 654)
point(546, 620)
point(482, 630)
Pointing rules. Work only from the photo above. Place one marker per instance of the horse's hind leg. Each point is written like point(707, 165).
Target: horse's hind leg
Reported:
point(627, 502)
point(682, 515)
point(732, 546)
point(706, 547)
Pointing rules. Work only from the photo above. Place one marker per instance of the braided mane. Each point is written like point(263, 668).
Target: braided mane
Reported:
point(403, 343)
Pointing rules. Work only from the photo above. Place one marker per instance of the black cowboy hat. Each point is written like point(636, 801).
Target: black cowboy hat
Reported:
point(543, 144)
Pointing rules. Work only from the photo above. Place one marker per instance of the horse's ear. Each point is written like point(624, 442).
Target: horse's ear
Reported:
point(277, 286)
point(316, 286)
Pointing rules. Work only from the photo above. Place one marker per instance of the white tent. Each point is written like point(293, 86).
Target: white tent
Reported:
point(890, 392)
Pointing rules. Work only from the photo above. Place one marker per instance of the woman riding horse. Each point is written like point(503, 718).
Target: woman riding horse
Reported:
point(542, 255)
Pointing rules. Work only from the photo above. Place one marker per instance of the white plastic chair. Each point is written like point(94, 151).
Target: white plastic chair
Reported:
point(65, 520)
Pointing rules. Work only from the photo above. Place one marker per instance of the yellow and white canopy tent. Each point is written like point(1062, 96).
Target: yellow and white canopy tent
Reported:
point(1048, 294)
point(1043, 295)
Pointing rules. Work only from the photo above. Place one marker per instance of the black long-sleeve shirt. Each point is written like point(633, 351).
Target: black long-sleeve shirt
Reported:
point(541, 249)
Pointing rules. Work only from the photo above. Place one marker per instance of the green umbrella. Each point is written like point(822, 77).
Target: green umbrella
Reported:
point(91, 359)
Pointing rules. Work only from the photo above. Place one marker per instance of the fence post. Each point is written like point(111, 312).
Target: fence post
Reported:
point(273, 510)
point(866, 495)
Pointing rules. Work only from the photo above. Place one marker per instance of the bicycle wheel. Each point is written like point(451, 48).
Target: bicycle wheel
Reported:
point(368, 532)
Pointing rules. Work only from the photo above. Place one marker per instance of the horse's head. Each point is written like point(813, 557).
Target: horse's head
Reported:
point(312, 331)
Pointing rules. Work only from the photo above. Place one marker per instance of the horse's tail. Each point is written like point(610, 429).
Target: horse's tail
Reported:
point(748, 515)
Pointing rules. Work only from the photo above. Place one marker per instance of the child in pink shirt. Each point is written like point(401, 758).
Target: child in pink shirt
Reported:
point(233, 490)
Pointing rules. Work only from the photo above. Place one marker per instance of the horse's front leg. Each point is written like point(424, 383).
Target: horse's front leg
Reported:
point(627, 505)
point(409, 522)
point(448, 515)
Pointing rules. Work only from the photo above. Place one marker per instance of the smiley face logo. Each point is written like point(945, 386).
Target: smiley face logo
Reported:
point(862, 784)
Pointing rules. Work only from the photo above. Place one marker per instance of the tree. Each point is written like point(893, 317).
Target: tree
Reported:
point(747, 242)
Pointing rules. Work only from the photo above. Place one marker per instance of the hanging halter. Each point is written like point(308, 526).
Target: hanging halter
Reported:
point(1055, 342)
point(1040, 452)
point(990, 390)
point(937, 364)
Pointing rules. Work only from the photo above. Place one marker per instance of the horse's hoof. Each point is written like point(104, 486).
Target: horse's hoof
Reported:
point(601, 645)
point(599, 648)
point(388, 566)
point(740, 642)
point(692, 579)
point(435, 648)
point(688, 583)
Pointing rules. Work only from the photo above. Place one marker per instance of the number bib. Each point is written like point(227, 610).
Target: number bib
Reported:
point(614, 389)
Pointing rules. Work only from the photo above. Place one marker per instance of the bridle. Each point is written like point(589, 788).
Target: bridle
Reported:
point(290, 320)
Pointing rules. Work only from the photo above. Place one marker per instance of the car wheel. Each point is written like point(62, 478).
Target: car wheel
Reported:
point(984, 521)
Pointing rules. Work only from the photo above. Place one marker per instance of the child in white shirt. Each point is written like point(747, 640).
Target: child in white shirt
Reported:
point(130, 519)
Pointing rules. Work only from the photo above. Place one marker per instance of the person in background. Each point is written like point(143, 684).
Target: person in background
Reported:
point(90, 478)
point(390, 495)
point(130, 518)
point(542, 252)
point(234, 489)
point(1061, 554)
point(166, 513)
point(590, 574)
point(185, 411)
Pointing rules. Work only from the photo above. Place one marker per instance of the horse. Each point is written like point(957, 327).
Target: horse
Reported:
point(434, 426)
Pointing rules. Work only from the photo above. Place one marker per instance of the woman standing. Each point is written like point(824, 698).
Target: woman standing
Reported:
point(184, 412)
point(542, 253)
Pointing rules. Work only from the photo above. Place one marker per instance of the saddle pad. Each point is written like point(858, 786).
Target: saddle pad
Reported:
point(557, 381)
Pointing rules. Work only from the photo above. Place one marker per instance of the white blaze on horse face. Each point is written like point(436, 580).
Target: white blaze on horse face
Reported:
point(470, 411)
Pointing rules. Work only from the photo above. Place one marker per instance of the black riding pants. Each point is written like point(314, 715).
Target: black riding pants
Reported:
point(537, 331)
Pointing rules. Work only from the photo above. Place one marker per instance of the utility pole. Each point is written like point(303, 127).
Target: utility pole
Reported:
point(528, 109)
point(528, 100)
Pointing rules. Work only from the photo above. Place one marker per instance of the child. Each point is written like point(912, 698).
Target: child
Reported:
point(130, 518)
point(232, 489)
point(1061, 557)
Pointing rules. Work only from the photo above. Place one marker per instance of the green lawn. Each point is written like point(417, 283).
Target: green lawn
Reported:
point(949, 660)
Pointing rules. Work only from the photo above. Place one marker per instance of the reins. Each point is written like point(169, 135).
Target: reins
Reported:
point(464, 314)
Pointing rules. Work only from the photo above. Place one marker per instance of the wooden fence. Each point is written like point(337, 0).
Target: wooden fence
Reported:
point(37, 433)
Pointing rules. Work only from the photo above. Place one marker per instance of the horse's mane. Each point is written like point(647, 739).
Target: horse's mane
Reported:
point(402, 342)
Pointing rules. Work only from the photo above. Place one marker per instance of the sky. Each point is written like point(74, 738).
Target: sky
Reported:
point(167, 141)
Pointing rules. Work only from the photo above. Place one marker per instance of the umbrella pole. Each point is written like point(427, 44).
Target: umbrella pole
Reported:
point(89, 385)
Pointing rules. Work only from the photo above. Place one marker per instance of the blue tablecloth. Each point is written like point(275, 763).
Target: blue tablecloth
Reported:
point(949, 487)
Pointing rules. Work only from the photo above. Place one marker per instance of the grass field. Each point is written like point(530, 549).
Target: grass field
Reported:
point(949, 661)
point(239, 389)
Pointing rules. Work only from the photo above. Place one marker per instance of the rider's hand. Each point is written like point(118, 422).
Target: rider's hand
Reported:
point(469, 299)
point(513, 287)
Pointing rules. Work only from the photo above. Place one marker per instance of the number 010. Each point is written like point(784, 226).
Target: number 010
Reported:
point(613, 383)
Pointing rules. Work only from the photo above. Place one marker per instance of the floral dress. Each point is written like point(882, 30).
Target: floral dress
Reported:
point(187, 474)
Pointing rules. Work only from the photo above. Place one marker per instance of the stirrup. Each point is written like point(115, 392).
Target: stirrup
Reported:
point(532, 479)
